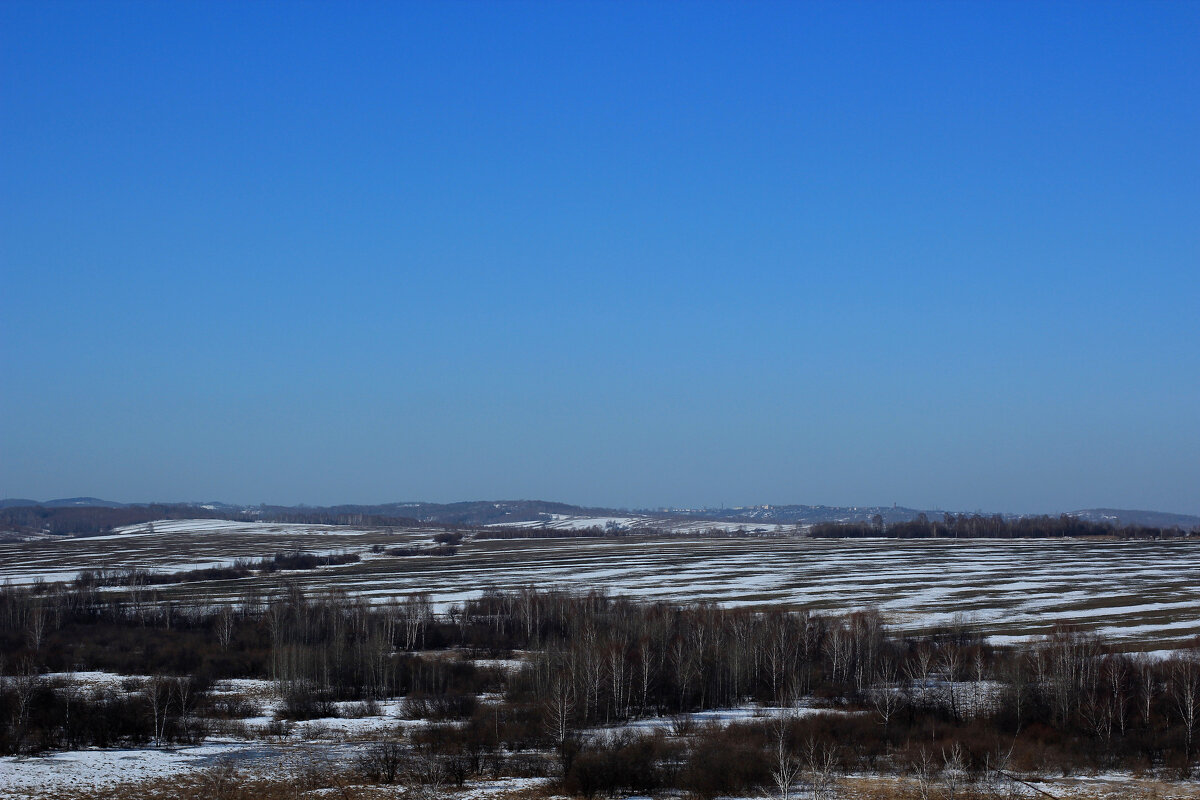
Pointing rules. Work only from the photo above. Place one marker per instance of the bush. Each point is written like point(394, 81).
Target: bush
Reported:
point(624, 763)
point(725, 761)
point(305, 702)
point(419, 705)
point(382, 762)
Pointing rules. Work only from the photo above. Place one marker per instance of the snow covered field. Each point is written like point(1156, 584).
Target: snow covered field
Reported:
point(172, 545)
point(1144, 592)
point(99, 768)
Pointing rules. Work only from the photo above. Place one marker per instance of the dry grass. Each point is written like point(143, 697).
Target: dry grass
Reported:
point(229, 783)
point(1129, 789)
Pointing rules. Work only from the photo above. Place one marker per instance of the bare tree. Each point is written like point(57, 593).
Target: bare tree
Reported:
point(950, 663)
point(954, 771)
point(225, 626)
point(1184, 684)
point(416, 611)
point(839, 646)
point(25, 684)
point(37, 628)
point(923, 775)
point(886, 696)
point(158, 693)
point(786, 768)
point(558, 713)
point(821, 770)
point(1147, 688)
point(1118, 689)
point(995, 781)
point(980, 699)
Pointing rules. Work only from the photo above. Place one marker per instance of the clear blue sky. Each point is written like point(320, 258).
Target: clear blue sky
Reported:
point(635, 254)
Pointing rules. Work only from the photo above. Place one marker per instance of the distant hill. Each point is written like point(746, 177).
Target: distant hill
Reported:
point(83, 502)
point(66, 502)
point(475, 513)
point(467, 514)
point(16, 502)
point(89, 515)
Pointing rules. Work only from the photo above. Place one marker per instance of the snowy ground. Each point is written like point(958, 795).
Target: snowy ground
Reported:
point(174, 545)
point(98, 768)
point(722, 716)
point(1145, 593)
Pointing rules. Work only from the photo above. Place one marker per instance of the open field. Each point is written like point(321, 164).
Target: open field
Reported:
point(1146, 593)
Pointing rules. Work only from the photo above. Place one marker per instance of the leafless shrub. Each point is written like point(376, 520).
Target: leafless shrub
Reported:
point(682, 725)
point(820, 770)
point(222, 782)
point(383, 761)
point(367, 708)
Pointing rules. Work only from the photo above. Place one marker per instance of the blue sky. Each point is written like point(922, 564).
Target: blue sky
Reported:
point(635, 254)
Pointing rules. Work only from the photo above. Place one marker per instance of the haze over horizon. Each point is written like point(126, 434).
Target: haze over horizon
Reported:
point(939, 255)
point(1127, 516)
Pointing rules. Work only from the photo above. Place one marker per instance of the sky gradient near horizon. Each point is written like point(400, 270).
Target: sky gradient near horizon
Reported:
point(945, 255)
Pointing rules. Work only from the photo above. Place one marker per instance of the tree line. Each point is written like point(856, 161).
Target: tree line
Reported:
point(976, 526)
point(240, 568)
